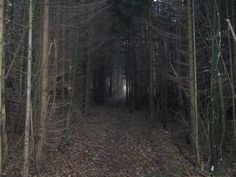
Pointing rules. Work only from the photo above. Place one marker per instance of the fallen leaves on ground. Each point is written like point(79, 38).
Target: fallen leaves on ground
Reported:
point(111, 142)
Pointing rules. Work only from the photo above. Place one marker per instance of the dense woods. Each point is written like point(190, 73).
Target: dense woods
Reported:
point(168, 66)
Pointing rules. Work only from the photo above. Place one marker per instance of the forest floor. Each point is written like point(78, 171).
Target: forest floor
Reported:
point(111, 142)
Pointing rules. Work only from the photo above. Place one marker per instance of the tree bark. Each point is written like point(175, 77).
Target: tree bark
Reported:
point(151, 63)
point(41, 144)
point(216, 98)
point(193, 78)
point(28, 96)
point(3, 135)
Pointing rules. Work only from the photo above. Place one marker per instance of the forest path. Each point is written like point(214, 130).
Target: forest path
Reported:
point(111, 142)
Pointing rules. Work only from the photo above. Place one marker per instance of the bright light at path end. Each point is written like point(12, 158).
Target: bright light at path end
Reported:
point(124, 88)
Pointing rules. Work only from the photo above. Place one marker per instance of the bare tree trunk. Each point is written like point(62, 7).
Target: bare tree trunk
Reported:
point(88, 84)
point(234, 70)
point(56, 56)
point(151, 64)
point(193, 78)
point(41, 144)
point(231, 49)
point(89, 70)
point(28, 96)
point(178, 63)
point(216, 132)
point(3, 135)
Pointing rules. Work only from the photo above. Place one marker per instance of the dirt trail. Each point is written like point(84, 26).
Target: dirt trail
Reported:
point(111, 142)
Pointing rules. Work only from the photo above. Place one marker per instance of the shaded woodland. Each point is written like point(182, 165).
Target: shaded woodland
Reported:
point(103, 88)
